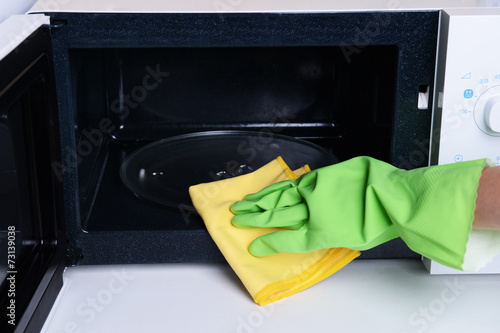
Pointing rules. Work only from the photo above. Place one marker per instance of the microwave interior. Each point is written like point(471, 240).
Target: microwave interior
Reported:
point(340, 81)
point(301, 92)
point(83, 93)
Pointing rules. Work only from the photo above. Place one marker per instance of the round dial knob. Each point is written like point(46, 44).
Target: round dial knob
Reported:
point(492, 114)
point(487, 111)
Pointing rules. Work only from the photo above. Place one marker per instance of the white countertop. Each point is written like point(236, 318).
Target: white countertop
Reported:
point(366, 296)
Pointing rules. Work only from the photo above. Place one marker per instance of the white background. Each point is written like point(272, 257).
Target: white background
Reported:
point(11, 7)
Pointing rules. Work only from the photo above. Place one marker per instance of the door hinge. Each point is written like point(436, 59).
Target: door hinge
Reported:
point(54, 24)
point(73, 256)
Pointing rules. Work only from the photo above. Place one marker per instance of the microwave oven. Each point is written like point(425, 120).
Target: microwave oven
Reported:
point(80, 91)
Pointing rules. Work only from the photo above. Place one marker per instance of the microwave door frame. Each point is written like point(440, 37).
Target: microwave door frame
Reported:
point(28, 109)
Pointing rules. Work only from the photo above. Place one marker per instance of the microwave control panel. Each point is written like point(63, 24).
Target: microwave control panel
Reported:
point(468, 98)
point(466, 123)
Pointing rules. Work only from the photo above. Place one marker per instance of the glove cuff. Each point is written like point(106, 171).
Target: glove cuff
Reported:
point(444, 211)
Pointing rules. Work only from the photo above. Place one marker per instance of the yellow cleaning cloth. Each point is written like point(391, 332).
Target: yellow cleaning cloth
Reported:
point(271, 278)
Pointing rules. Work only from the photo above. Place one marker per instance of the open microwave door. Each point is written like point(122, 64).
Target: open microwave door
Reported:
point(32, 238)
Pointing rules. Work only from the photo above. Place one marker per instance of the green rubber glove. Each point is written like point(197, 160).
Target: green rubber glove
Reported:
point(363, 202)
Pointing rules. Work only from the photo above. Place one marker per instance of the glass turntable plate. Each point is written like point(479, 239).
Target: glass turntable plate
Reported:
point(164, 170)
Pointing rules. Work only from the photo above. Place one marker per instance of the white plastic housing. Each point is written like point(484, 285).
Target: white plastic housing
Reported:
point(467, 95)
